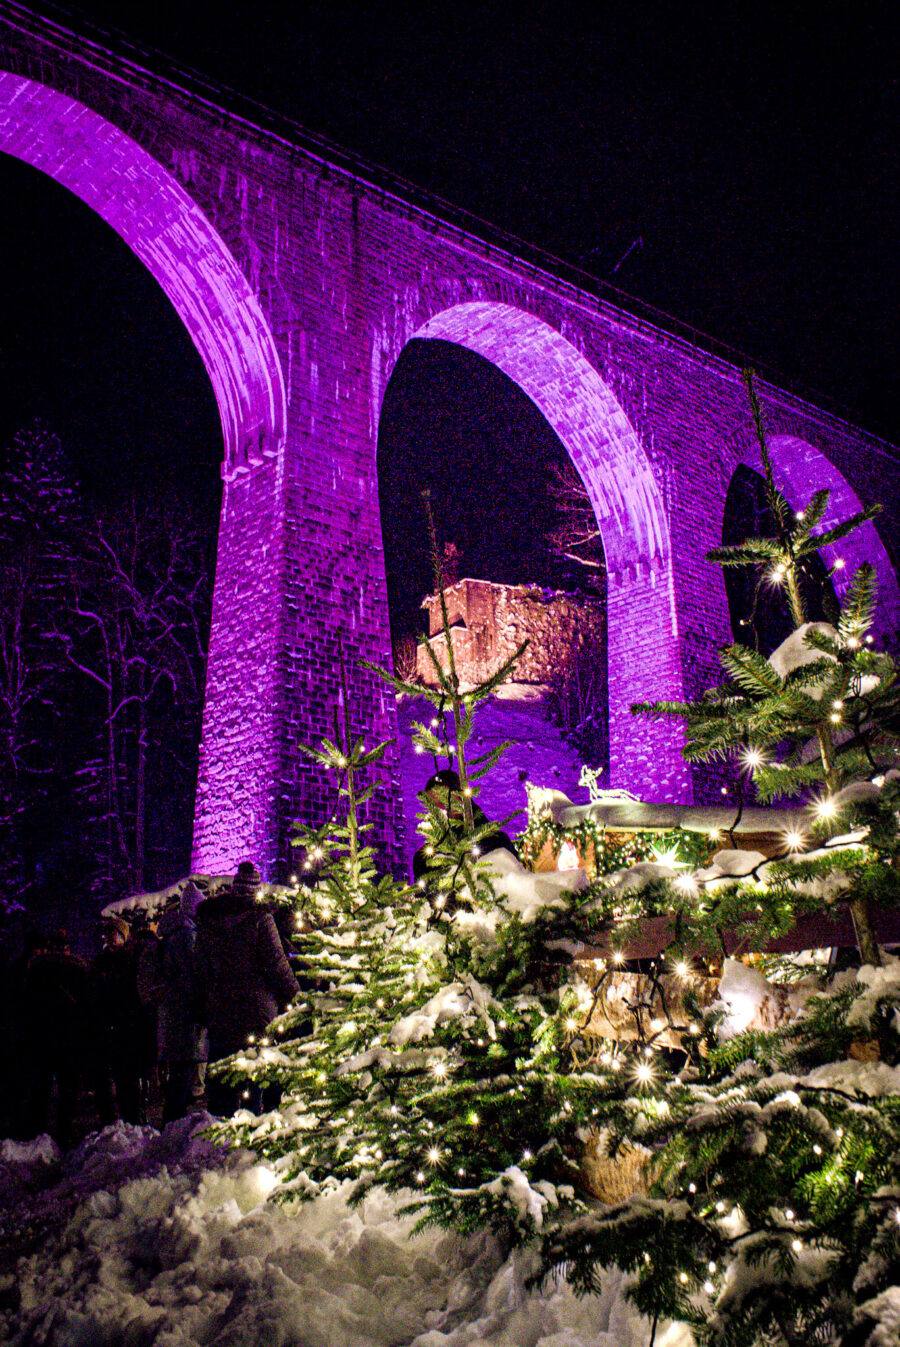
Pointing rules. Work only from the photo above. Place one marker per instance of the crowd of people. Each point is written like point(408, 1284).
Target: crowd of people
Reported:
point(140, 1022)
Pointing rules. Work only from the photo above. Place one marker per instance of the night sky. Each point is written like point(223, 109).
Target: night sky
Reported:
point(730, 165)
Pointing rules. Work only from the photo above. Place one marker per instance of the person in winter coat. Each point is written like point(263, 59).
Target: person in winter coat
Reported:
point(243, 975)
point(55, 1007)
point(119, 1020)
point(182, 1040)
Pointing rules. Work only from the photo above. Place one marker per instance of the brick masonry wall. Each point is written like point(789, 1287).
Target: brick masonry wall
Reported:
point(489, 622)
point(343, 274)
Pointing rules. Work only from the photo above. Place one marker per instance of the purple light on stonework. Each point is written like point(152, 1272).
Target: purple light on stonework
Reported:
point(643, 652)
point(170, 234)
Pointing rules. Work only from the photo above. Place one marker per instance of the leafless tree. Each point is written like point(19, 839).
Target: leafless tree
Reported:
point(133, 631)
point(576, 536)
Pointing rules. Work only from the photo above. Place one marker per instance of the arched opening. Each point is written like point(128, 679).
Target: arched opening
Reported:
point(758, 611)
point(799, 469)
point(584, 417)
point(170, 236)
point(169, 233)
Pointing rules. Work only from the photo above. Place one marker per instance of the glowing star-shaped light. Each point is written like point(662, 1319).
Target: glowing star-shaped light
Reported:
point(669, 857)
point(752, 759)
point(433, 1156)
point(794, 839)
point(825, 808)
point(439, 1070)
point(643, 1073)
point(685, 883)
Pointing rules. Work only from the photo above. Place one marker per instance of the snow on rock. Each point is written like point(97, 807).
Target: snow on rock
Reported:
point(750, 1001)
point(876, 983)
point(185, 1253)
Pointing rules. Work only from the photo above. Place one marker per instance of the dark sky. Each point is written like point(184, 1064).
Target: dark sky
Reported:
point(733, 165)
point(752, 147)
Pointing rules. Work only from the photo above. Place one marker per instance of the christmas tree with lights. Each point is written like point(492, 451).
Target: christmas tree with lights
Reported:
point(768, 1209)
point(438, 1048)
point(820, 717)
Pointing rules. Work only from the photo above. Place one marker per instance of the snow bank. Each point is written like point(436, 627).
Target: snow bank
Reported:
point(188, 1253)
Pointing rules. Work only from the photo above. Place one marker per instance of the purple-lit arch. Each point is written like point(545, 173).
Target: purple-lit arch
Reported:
point(642, 635)
point(169, 233)
point(799, 470)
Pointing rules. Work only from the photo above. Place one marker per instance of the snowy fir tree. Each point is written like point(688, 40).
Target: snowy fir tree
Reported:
point(451, 1047)
point(437, 1049)
point(769, 1210)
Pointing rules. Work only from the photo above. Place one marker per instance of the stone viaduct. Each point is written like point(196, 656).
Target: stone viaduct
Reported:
point(300, 279)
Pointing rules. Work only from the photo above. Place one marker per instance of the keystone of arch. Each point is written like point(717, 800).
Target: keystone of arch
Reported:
point(169, 233)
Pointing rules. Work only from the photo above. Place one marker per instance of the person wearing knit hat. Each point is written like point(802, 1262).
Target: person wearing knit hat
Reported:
point(246, 881)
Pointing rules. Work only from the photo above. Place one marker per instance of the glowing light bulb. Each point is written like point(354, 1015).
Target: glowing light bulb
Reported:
point(682, 1277)
point(434, 1155)
point(825, 808)
point(839, 564)
point(420, 1177)
point(682, 968)
point(643, 1072)
point(708, 1288)
point(789, 1215)
point(439, 1070)
point(752, 758)
point(794, 840)
point(618, 956)
point(526, 1156)
point(796, 1245)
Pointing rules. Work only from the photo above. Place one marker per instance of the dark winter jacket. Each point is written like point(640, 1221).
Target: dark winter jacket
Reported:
point(181, 1037)
point(55, 1002)
point(118, 1013)
point(244, 978)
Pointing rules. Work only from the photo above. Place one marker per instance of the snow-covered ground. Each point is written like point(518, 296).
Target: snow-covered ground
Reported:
point(140, 1238)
